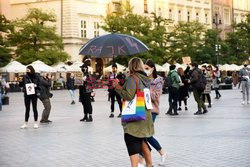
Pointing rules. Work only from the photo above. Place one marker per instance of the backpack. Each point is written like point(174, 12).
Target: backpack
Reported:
point(168, 81)
point(201, 83)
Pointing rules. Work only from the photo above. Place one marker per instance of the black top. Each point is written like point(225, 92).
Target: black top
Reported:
point(44, 88)
point(70, 83)
point(30, 79)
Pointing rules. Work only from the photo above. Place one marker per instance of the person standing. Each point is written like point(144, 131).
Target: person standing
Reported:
point(85, 94)
point(183, 91)
point(71, 87)
point(136, 133)
point(174, 80)
point(155, 93)
point(44, 96)
point(1, 92)
point(235, 78)
point(216, 82)
point(195, 81)
point(112, 92)
point(244, 75)
point(30, 84)
point(206, 94)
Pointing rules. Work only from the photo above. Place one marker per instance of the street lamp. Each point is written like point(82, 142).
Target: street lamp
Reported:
point(217, 22)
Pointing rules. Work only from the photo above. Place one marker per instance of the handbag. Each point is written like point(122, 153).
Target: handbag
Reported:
point(134, 110)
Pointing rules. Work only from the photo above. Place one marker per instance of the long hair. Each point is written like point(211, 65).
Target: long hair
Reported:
point(151, 64)
point(135, 65)
point(180, 71)
point(31, 68)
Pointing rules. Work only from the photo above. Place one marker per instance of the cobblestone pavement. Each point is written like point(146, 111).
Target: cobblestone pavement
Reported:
point(219, 138)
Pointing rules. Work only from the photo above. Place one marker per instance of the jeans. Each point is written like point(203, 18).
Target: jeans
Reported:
point(27, 100)
point(151, 140)
point(46, 111)
point(1, 96)
point(217, 92)
point(72, 94)
point(245, 90)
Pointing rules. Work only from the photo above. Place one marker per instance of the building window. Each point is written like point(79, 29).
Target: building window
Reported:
point(206, 18)
point(179, 15)
point(226, 17)
point(96, 29)
point(188, 16)
point(145, 6)
point(170, 14)
point(197, 17)
point(83, 29)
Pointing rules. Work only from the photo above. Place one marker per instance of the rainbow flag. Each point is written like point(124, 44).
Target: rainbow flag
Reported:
point(137, 111)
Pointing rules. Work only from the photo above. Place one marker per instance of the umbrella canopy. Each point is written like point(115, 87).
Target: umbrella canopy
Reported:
point(40, 66)
point(120, 68)
point(166, 66)
point(61, 67)
point(14, 67)
point(225, 67)
point(75, 67)
point(112, 45)
point(234, 67)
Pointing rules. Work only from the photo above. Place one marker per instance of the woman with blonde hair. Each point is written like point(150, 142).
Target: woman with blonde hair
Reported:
point(136, 133)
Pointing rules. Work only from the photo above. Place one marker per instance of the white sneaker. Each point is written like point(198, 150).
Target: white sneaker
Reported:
point(243, 102)
point(24, 126)
point(163, 159)
point(35, 126)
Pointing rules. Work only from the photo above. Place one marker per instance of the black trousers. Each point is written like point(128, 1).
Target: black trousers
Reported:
point(217, 92)
point(114, 95)
point(173, 99)
point(86, 102)
point(208, 98)
point(27, 100)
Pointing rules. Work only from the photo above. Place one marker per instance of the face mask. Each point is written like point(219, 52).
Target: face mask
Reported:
point(148, 72)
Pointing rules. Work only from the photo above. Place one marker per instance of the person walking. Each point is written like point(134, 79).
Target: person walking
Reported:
point(71, 87)
point(44, 96)
point(155, 93)
point(216, 82)
point(206, 94)
point(195, 81)
point(136, 133)
point(174, 85)
point(30, 83)
point(112, 93)
point(244, 75)
point(1, 92)
point(85, 94)
point(183, 91)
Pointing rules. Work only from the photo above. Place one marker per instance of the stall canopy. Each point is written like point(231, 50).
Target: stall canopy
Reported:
point(160, 68)
point(166, 66)
point(14, 67)
point(61, 67)
point(40, 66)
point(120, 68)
point(232, 67)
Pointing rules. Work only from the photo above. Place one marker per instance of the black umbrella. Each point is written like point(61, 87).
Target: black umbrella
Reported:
point(112, 45)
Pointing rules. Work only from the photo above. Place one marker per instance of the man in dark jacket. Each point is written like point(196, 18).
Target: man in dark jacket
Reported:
point(45, 95)
point(85, 94)
point(195, 77)
point(112, 92)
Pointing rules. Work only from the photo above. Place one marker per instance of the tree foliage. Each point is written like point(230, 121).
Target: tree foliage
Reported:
point(35, 38)
point(5, 28)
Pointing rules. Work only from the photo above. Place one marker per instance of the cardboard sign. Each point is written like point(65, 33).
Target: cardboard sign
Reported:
point(186, 60)
point(30, 88)
point(147, 98)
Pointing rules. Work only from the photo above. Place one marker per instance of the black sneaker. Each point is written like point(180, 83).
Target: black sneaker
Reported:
point(73, 102)
point(90, 119)
point(198, 113)
point(43, 122)
point(119, 116)
point(84, 118)
point(49, 121)
point(111, 116)
point(186, 108)
point(179, 109)
point(209, 106)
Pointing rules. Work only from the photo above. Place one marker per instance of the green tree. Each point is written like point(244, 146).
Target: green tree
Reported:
point(186, 40)
point(151, 31)
point(35, 38)
point(238, 42)
point(5, 28)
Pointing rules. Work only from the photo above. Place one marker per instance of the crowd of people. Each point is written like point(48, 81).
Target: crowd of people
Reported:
point(138, 135)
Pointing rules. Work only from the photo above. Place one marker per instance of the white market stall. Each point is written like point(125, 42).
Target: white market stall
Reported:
point(160, 68)
point(75, 67)
point(120, 68)
point(61, 67)
point(40, 66)
point(14, 67)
